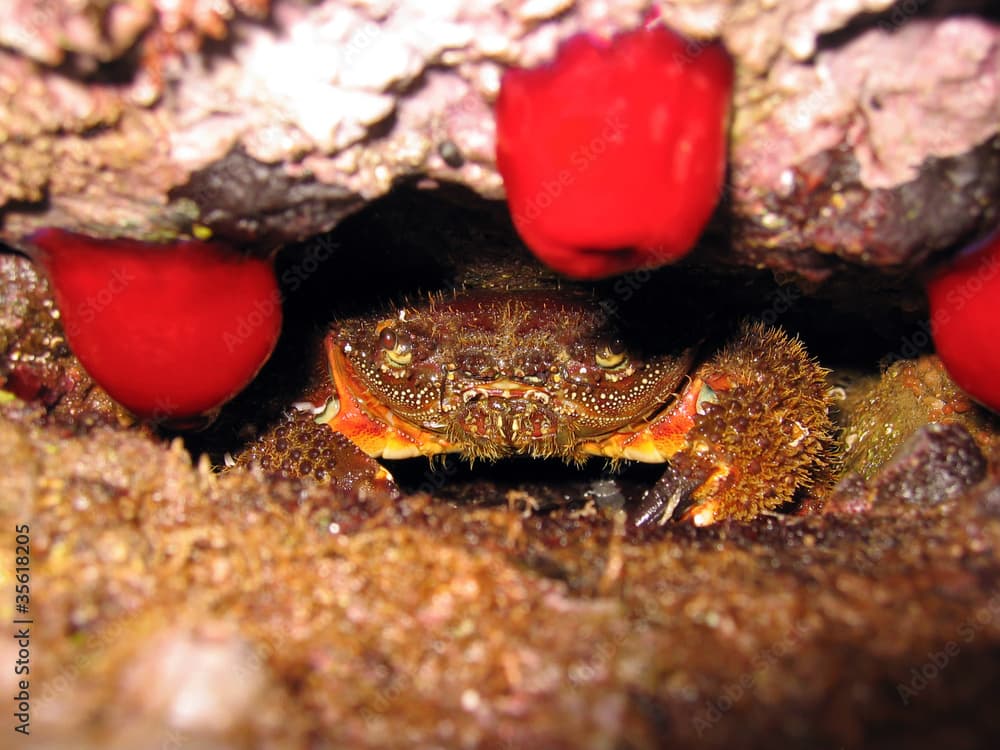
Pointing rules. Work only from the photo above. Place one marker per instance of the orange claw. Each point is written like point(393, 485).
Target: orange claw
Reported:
point(661, 438)
point(386, 436)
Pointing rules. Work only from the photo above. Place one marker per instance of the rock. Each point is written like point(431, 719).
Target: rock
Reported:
point(937, 463)
point(881, 412)
point(35, 363)
point(118, 120)
point(204, 679)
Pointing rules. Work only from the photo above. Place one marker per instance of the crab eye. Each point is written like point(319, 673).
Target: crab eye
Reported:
point(611, 354)
point(398, 347)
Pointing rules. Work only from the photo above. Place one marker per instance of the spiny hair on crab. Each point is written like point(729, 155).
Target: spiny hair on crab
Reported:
point(782, 412)
point(563, 445)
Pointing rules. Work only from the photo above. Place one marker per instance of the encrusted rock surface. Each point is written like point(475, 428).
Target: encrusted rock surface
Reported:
point(864, 131)
point(881, 412)
point(176, 605)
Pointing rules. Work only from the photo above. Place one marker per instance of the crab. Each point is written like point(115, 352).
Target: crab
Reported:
point(552, 374)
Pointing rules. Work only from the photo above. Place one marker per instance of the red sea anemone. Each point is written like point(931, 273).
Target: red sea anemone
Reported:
point(170, 331)
point(965, 315)
point(613, 155)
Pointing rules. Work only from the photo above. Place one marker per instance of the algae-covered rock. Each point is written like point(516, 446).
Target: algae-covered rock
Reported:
point(881, 412)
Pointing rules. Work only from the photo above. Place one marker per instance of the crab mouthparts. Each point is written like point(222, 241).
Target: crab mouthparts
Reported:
point(508, 412)
point(506, 389)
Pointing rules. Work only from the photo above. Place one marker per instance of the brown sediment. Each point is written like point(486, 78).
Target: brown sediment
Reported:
point(381, 623)
point(176, 603)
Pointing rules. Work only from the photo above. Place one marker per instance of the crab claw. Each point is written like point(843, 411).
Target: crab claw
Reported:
point(671, 496)
point(759, 436)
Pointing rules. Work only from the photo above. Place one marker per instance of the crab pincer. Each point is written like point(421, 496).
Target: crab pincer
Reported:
point(760, 438)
